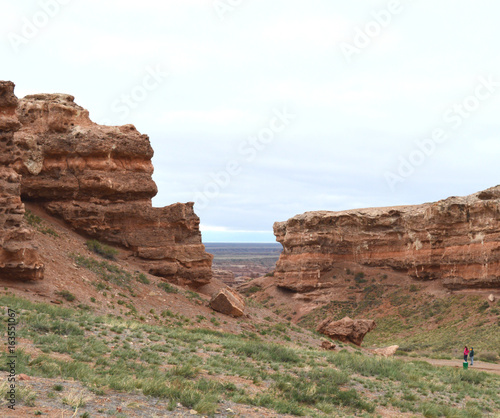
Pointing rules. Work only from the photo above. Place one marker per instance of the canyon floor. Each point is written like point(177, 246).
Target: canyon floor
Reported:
point(102, 338)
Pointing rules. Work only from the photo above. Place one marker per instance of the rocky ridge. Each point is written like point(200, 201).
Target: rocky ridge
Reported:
point(18, 257)
point(455, 241)
point(98, 179)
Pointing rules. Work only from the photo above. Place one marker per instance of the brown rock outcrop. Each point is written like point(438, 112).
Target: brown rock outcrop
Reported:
point(99, 180)
point(18, 259)
point(228, 302)
point(347, 329)
point(456, 240)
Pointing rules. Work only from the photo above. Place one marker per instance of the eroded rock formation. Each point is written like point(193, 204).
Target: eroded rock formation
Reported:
point(456, 241)
point(346, 330)
point(18, 259)
point(99, 180)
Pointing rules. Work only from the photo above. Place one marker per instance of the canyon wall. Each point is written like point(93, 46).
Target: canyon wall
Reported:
point(19, 260)
point(455, 241)
point(98, 179)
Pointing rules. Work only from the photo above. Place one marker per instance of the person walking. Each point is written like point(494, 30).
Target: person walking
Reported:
point(471, 355)
point(466, 353)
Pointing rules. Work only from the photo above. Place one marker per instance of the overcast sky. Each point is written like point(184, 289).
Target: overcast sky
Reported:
point(259, 110)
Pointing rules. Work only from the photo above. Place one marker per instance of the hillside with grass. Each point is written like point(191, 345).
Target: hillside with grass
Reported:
point(420, 317)
point(175, 368)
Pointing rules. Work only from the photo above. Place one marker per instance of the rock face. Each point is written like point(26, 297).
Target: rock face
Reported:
point(347, 329)
point(228, 302)
point(99, 180)
point(18, 259)
point(456, 241)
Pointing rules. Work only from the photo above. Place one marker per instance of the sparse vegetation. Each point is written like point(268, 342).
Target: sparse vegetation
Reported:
point(250, 291)
point(66, 294)
point(38, 223)
point(143, 279)
point(103, 250)
point(167, 287)
point(106, 271)
point(125, 354)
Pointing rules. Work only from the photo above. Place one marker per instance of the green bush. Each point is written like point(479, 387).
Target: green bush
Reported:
point(167, 287)
point(105, 251)
point(143, 279)
point(359, 278)
point(66, 294)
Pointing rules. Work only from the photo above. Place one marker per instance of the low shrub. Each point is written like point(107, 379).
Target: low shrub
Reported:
point(105, 251)
point(66, 294)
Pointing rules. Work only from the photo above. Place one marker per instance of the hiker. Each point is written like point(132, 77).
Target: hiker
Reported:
point(466, 353)
point(471, 355)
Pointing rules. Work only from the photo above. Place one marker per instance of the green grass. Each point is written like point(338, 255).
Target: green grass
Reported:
point(199, 368)
point(39, 224)
point(421, 324)
point(109, 272)
point(103, 250)
point(438, 327)
point(66, 294)
point(167, 287)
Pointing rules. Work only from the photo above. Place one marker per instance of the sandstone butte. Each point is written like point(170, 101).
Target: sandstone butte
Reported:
point(455, 241)
point(98, 179)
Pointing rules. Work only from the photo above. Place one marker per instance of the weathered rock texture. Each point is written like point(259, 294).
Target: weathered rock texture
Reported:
point(18, 259)
point(228, 302)
point(347, 329)
point(98, 180)
point(456, 241)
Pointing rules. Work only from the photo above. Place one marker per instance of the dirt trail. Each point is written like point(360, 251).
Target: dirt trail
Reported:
point(478, 365)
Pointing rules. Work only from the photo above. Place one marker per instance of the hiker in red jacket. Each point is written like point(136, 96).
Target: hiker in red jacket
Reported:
point(466, 353)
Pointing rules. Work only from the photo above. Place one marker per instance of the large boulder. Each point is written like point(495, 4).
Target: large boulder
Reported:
point(228, 302)
point(347, 329)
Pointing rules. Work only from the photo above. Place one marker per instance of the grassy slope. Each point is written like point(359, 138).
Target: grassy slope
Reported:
point(418, 316)
point(198, 367)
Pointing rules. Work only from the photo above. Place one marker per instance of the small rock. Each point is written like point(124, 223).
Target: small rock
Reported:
point(193, 412)
point(386, 351)
point(327, 345)
point(491, 298)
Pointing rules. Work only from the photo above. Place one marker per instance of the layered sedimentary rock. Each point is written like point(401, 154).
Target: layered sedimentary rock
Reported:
point(456, 241)
point(18, 259)
point(99, 180)
point(228, 302)
point(346, 330)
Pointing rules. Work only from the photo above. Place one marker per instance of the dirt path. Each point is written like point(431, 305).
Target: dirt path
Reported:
point(478, 365)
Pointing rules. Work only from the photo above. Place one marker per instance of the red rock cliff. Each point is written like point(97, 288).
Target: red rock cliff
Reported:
point(98, 179)
point(18, 259)
point(456, 241)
